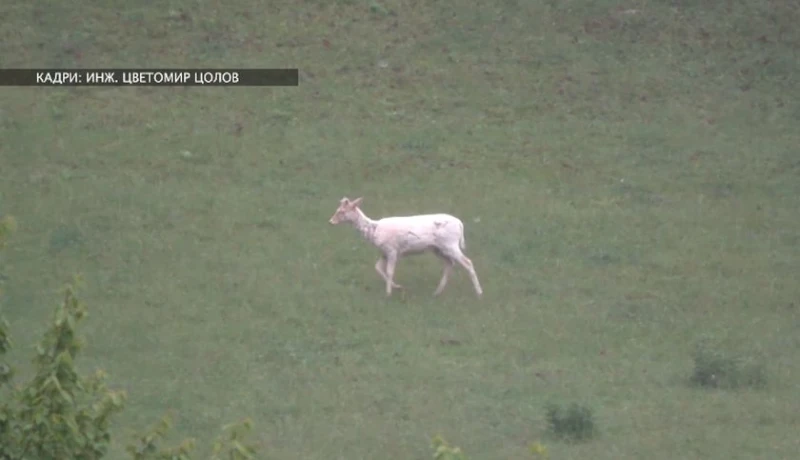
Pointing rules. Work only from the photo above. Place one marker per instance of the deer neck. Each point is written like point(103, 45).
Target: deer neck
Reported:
point(365, 226)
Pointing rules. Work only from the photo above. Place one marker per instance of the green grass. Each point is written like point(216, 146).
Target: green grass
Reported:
point(628, 174)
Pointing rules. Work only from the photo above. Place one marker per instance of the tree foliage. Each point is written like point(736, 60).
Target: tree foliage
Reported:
point(59, 413)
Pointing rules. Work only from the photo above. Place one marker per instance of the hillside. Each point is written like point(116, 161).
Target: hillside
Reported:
point(628, 173)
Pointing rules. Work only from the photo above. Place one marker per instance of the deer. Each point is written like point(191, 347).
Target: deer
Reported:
point(395, 237)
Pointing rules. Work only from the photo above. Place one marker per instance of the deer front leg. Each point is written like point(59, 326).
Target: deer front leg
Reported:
point(379, 267)
point(391, 261)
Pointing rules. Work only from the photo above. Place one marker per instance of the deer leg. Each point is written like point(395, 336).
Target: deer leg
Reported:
point(379, 267)
point(448, 268)
point(391, 261)
point(467, 264)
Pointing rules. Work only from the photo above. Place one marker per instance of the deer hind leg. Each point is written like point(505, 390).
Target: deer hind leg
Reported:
point(458, 256)
point(466, 263)
point(448, 268)
point(380, 268)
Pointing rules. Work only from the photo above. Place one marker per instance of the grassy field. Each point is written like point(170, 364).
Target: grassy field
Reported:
point(628, 173)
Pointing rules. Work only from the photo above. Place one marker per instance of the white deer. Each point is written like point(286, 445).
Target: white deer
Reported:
point(441, 234)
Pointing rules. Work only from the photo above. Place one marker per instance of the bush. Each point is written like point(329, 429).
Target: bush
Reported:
point(443, 451)
point(715, 368)
point(7, 226)
point(574, 423)
point(60, 414)
point(539, 451)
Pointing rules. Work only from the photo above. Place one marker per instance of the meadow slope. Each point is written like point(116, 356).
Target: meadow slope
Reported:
point(628, 173)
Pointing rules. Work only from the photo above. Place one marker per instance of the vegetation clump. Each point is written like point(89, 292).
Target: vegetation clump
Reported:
point(574, 422)
point(60, 413)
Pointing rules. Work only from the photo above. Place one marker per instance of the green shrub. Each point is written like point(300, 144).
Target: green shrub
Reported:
point(539, 451)
point(443, 451)
point(60, 414)
point(716, 368)
point(7, 226)
point(573, 423)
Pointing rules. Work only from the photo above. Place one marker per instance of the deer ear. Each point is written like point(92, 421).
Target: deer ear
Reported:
point(356, 202)
point(344, 200)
